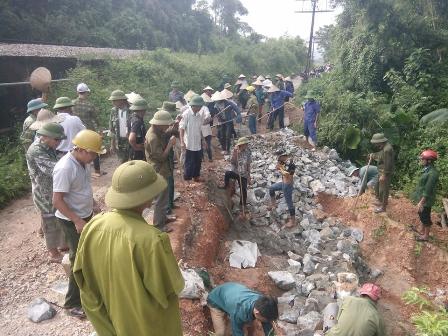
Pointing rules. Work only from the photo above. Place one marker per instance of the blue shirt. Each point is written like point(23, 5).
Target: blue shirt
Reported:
point(289, 87)
point(238, 302)
point(278, 98)
point(230, 112)
point(311, 108)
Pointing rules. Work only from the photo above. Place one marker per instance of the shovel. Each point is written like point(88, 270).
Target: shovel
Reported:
point(364, 178)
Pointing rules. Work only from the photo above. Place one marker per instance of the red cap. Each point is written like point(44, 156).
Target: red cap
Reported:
point(371, 290)
point(429, 154)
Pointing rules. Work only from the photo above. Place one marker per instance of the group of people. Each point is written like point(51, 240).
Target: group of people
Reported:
point(379, 178)
point(117, 260)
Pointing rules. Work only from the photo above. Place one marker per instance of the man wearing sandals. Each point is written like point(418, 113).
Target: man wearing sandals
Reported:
point(126, 270)
point(287, 171)
point(41, 158)
point(425, 194)
point(73, 199)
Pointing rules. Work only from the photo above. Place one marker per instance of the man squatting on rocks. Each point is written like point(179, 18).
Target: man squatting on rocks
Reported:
point(359, 316)
point(287, 171)
point(73, 199)
point(128, 276)
point(425, 193)
point(242, 306)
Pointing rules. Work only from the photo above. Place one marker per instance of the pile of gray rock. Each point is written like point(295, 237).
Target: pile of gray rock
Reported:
point(324, 263)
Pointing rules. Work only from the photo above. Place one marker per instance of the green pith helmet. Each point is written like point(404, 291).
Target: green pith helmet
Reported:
point(352, 170)
point(242, 141)
point(134, 183)
point(139, 105)
point(169, 107)
point(162, 118)
point(378, 138)
point(63, 102)
point(117, 95)
point(52, 130)
point(35, 104)
point(309, 94)
point(197, 101)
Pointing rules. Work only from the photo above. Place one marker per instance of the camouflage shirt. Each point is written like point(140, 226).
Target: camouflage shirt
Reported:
point(27, 136)
point(41, 160)
point(114, 122)
point(86, 112)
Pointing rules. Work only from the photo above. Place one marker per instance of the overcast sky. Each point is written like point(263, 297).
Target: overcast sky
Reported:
point(275, 18)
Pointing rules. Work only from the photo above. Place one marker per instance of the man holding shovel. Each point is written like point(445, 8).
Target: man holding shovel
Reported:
point(241, 160)
point(385, 159)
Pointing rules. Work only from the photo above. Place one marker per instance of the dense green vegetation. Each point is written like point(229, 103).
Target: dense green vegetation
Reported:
point(187, 25)
point(391, 68)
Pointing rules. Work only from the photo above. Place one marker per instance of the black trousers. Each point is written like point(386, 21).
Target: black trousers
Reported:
point(425, 216)
point(232, 175)
point(193, 161)
point(225, 134)
point(96, 163)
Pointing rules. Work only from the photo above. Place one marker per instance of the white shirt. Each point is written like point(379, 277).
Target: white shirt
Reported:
point(71, 178)
point(206, 129)
point(192, 124)
point(72, 125)
point(123, 123)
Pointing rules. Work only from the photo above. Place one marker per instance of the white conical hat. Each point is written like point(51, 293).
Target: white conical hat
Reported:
point(260, 78)
point(133, 97)
point(273, 88)
point(257, 82)
point(217, 96)
point(189, 95)
point(207, 88)
point(226, 94)
point(241, 76)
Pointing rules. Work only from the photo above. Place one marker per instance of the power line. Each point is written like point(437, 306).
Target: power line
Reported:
point(313, 10)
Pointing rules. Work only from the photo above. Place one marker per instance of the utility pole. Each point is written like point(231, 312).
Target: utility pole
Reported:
point(313, 11)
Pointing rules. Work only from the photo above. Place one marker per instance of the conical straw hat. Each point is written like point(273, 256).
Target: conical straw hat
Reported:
point(44, 117)
point(189, 94)
point(257, 82)
point(40, 79)
point(273, 88)
point(217, 96)
point(226, 94)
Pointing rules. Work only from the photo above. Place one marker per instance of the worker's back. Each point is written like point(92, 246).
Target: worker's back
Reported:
point(358, 316)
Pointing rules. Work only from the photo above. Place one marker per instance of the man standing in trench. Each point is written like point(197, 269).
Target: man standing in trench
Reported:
point(126, 270)
point(73, 199)
point(385, 158)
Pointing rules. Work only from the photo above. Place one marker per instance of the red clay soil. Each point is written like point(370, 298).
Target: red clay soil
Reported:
point(390, 246)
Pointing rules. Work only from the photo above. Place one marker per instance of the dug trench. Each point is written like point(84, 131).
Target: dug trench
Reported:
point(332, 240)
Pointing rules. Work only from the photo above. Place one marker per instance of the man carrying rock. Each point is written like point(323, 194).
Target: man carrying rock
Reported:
point(311, 109)
point(240, 160)
point(72, 124)
point(118, 125)
point(425, 193)
point(86, 111)
point(385, 159)
point(137, 130)
point(73, 199)
point(287, 171)
point(126, 270)
point(33, 107)
point(191, 138)
point(41, 158)
point(158, 149)
point(242, 306)
point(359, 316)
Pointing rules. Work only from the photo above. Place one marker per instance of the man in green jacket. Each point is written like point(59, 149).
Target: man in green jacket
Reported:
point(425, 194)
point(126, 270)
point(359, 316)
point(385, 162)
point(243, 306)
point(118, 125)
point(33, 107)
